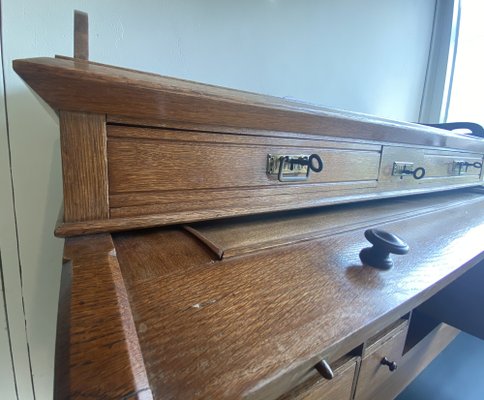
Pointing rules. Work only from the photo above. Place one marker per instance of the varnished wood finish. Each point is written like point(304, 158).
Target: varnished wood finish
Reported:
point(245, 235)
point(84, 166)
point(318, 388)
point(247, 308)
point(98, 354)
point(179, 151)
point(74, 84)
point(143, 166)
point(437, 164)
point(158, 216)
point(270, 316)
point(240, 138)
point(176, 247)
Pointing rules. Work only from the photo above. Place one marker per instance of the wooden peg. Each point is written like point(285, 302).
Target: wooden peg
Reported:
point(81, 35)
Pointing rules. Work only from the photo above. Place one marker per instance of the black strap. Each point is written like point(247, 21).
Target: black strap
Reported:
point(476, 129)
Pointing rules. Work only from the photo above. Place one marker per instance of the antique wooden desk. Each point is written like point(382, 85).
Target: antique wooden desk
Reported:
point(213, 240)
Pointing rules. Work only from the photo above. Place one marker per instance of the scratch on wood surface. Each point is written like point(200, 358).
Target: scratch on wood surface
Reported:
point(203, 304)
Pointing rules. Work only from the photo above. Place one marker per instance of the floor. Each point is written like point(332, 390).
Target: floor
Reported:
point(456, 374)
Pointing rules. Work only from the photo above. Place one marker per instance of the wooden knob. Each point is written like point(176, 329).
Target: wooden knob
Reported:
point(324, 369)
point(392, 365)
point(384, 244)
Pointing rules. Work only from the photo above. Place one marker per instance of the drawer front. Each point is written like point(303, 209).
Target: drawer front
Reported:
point(372, 372)
point(146, 165)
point(453, 164)
point(318, 388)
point(442, 168)
point(156, 171)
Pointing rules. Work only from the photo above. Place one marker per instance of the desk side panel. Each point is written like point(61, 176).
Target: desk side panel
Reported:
point(97, 354)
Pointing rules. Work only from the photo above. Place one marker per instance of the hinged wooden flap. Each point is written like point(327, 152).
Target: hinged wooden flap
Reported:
point(233, 237)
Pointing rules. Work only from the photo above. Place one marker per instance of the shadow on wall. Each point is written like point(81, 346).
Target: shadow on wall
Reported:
point(37, 184)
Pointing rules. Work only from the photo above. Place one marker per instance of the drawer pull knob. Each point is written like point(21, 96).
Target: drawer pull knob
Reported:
point(324, 369)
point(392, 365)
point(384, 244)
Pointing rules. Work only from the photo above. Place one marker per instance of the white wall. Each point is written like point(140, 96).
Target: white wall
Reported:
point(367, 56)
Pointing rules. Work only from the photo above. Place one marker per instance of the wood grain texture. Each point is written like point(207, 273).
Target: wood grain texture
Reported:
point(437, 164)
point(237, 201)
point(129, 219)
point(245, 235)
point(256, 138)
point(318, 388)
point(98, 353)
point(270, 316)
point(155, 165)
point(80, 85)
point(84, 166)
point(176, 248)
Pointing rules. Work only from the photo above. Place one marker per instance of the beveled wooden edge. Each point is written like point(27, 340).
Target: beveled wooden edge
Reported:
point(71, 84)
point(217, 249)
point(183, 217)
point(97, 351)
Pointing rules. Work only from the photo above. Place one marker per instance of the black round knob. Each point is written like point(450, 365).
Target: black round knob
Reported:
point(392, 365)
point(384, 244)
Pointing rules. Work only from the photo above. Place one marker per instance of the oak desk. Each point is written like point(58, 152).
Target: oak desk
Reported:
point(200, 262)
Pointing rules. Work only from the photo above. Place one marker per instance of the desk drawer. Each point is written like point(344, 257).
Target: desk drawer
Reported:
point(436, 168)
point(319, 388)
point(154, 171)
point(142, 160)
point(388, 344)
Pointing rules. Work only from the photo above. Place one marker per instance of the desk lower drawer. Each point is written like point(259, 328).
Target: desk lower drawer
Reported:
point(387, 345)
point(319, 388)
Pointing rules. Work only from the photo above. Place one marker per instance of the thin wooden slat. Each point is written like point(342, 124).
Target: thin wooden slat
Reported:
point(245, 235)
point(193, 199)
point(84, 166)
point(256, 138)
point(155, 217)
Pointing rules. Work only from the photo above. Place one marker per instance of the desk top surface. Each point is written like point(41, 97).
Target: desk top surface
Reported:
point(255, 319)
